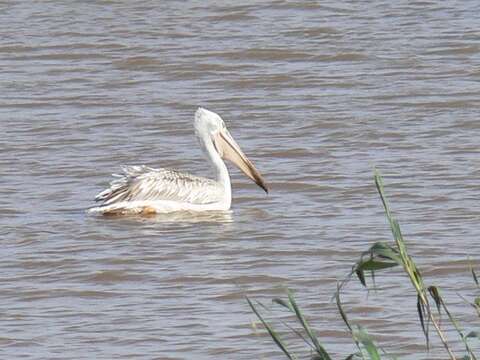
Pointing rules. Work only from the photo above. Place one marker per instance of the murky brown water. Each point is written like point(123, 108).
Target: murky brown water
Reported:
point(317, 95)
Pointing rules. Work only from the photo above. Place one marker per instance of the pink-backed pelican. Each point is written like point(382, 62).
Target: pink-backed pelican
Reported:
point(145, 190)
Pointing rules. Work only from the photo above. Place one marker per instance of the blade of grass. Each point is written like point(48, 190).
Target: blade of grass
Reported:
point(411, 269)
point(435, 293)
point(474, 334)
point(276, 338)
point(385, 251)
point(284, 303)
point(475, 304)
point(375, 265)
point(319, 348)
point(474, 275)
point(361, 277)
point(433, 290)
point(291, 328)
point(364, 338)
point(343, 314)
point(344, 317)
point(380, 256)
point(421, 315)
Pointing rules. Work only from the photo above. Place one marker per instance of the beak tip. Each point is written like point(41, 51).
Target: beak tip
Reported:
point(264, 187)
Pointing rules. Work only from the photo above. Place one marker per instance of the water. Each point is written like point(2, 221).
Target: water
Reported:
point(316, 94)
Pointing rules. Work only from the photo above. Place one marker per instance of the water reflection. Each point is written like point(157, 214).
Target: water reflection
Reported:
point(176, 217)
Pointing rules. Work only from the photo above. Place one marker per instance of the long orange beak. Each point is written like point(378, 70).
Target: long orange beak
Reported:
point(228, 149)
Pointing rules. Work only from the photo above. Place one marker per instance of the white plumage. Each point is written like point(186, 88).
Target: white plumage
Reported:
point(145, 190)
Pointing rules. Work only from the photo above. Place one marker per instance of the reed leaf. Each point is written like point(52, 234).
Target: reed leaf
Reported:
point(323, 355)
point(285, 304)
point(474, 334)
point(343, 314)
point(340, 309)
point(276, 338)
point(292, 329)
point(379, 256)
point(361, 277)
point(435, 293)
point(385, 251)
point(475, 304)
point(412, 271)
point(421, 315)
point(375, 265)
point(474, 275)
point(289, 327)
point(366, 341)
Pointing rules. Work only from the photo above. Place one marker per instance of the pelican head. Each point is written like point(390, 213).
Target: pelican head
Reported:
point(210, 127)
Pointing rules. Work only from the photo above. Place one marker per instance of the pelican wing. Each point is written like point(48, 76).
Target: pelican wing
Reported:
point(142, 183)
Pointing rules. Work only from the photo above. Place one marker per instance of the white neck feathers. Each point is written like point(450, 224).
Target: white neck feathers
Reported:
point(222, 175)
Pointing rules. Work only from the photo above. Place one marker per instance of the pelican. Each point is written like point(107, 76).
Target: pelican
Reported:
point(145, 190)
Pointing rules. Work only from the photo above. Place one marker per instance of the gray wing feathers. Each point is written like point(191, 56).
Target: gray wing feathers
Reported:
point(139, 183)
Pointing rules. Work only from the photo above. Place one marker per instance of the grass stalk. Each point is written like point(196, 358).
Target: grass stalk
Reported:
point(411, 270)
point(273, 334)
point(379, 256)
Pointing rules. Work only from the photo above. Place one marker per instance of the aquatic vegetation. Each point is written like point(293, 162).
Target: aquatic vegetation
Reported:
point(380, 256)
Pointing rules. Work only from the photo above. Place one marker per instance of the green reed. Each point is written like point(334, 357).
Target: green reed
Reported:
point(378, 257)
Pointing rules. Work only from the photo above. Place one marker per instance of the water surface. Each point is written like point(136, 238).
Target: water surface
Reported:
point(317, 94)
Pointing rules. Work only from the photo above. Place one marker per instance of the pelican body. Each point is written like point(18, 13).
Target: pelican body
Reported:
point(145, 190)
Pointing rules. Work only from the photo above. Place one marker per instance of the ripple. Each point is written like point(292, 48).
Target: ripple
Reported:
point(317, 93)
